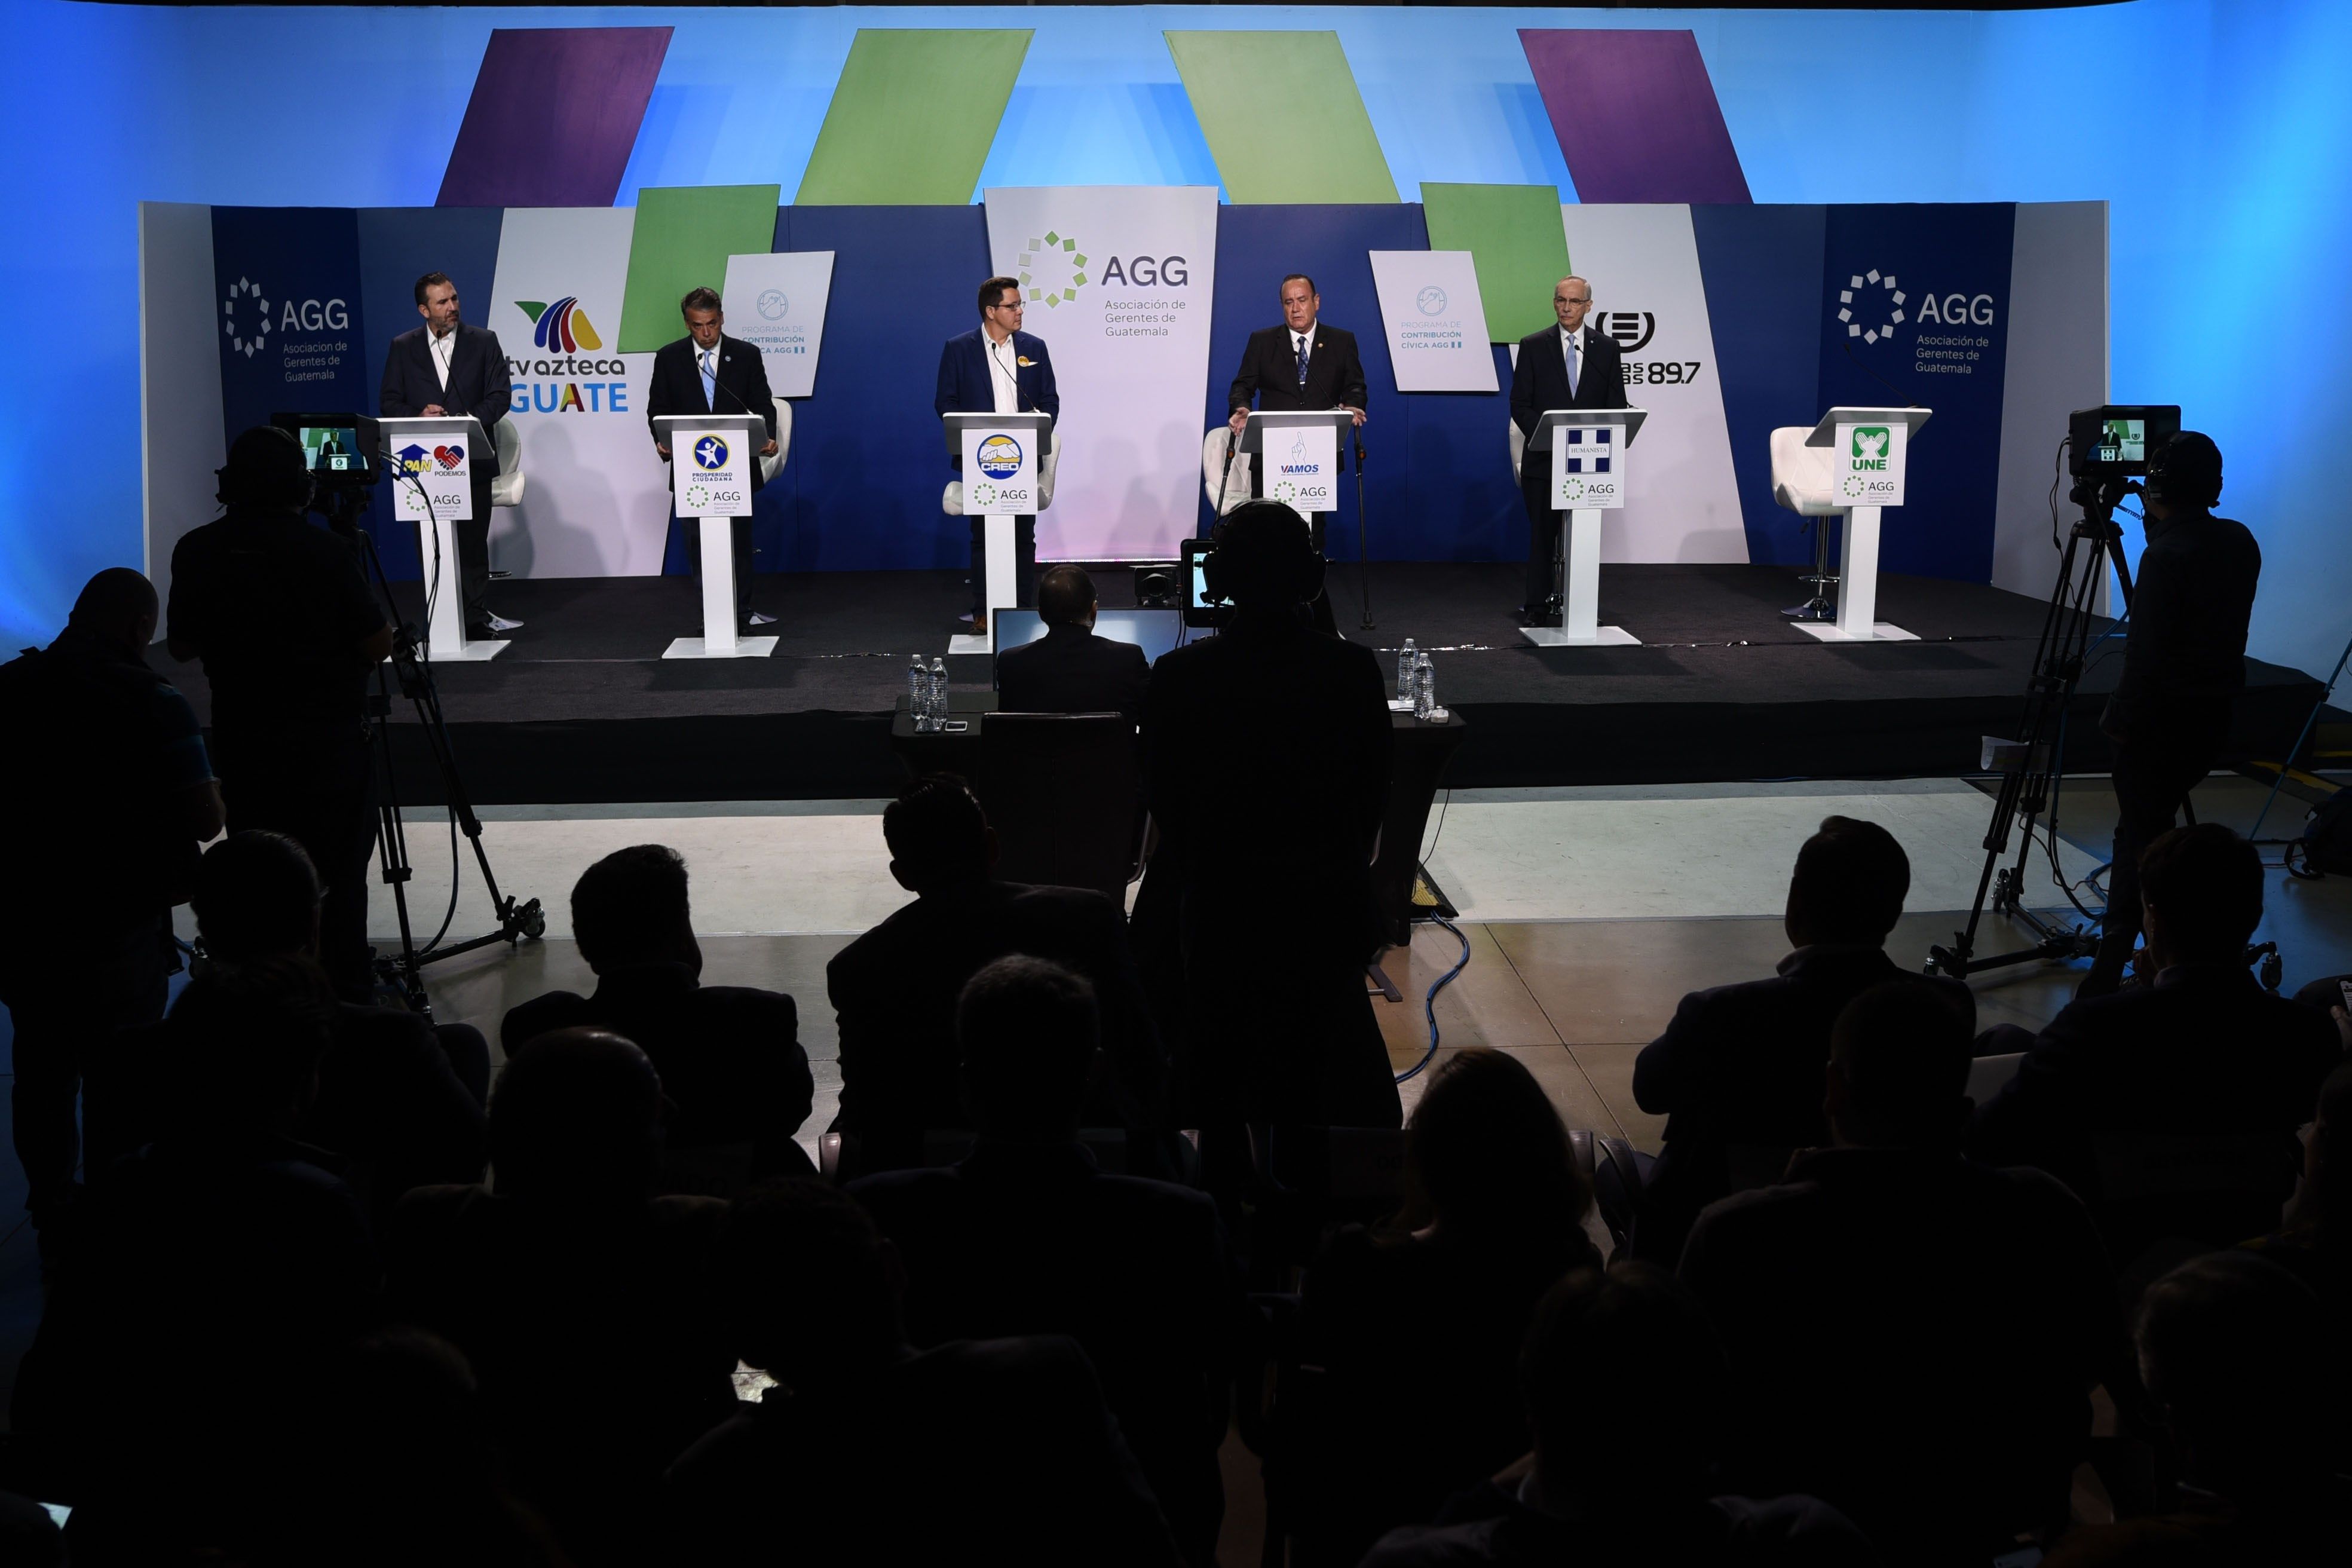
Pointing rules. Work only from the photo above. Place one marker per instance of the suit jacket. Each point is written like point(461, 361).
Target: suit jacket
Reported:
point(1269, 371)
point(1539, 380)
point(895, 990)
point(965, 376)
point(478, 382)
point(742, 377)
point(2185, 645)
point(1072, 670)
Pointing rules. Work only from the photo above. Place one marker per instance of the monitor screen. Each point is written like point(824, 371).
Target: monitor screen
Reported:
point(2123, 441)
point(333, 449)
point(1153, 631)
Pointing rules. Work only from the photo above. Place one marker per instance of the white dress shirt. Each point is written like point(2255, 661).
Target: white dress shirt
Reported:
point(443, 345)
point(1571, 350)
point(1004, 372)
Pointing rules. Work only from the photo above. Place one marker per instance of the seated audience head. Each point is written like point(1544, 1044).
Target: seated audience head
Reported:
point(809, 1288)
point(630, 907)
point(1028, 1030)
point(1848, 887)
point(1488, 1155)
point(1624, 1380)
point(937, 836)
point(2201, 891)
point(576, 1119)
point(118, 608)
point(1065, 596)
point(256, 894)
point(247, 1037)
point(266, 471)
point(1898, 1072)
point(2243, 1367)
point(1264, 558)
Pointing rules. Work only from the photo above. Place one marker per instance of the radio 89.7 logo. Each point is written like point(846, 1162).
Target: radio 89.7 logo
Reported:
point(1661, 372)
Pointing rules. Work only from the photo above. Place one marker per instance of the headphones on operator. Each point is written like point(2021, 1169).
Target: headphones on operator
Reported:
point(267, 469)
point(1263, 546)
point(2185, 471)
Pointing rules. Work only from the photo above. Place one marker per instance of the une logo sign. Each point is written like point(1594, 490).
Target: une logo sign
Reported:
point(1870, 448)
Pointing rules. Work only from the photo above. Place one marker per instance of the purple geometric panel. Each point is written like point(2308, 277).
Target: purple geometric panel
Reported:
point(553, 117)
point(1635, 114)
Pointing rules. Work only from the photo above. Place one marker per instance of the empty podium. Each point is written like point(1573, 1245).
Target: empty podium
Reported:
point(431, 464)
point(1587, 450)
point(710, 486)
point(1851, 464)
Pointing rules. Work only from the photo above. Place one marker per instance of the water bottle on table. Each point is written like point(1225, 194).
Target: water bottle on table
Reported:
point(1408, 671)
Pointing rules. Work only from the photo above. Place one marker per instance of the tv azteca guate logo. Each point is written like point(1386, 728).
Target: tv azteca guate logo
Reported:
point(558, 381)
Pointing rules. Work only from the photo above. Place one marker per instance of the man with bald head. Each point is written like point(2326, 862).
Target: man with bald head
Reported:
point(111, 795)
point(1567, 365)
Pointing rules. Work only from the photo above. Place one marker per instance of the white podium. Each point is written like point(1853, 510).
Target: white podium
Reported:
point(710, 461)
point(1298, 455)
point(1001, 453)
point(431, 462)
point(1868, 450)
point(1587, 450)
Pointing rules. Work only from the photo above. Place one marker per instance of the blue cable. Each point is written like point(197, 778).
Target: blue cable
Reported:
point(1429, 1004)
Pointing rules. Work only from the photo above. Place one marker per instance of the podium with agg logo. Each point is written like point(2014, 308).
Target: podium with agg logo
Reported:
point(1000, 453)
point(1586, 448)
point(1298, 455)
point(710, 458)
point(1868, 450)
point(432, 469)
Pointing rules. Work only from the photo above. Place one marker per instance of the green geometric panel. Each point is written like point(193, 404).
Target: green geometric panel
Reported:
point(1516, 240)
point(1283, 117)
point(683, 236)
point(912, 117)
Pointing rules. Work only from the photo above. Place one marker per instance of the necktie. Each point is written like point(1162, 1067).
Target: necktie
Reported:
point(1575, 361)
point(1302, 359)
point(709, 382)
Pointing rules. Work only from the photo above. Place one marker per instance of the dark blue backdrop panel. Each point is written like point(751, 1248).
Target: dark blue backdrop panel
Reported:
point(397, 247)
point(862, 490)
point(291, 278)
point(1947, 259)
point(1762, 267)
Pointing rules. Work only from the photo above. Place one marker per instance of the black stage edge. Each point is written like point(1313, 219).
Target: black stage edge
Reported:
point(584, 709)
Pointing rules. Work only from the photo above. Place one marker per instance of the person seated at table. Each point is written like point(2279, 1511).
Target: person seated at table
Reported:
point(1070, 669)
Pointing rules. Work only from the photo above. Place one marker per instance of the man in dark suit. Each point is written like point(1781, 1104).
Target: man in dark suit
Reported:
point(1070, 669)
point(997, 368)
point(1565, 367)
point(895, 988)
point(1738, 1074)
point(446, 368)
point(707, 372)
point(1027, 1236)
point(1267, 761)
point(1300, 365)
point(2202, 1052)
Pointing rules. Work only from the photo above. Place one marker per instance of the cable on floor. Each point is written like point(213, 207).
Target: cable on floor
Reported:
point(1429, 1004)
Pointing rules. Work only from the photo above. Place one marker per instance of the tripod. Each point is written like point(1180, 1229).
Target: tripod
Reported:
point(2031, 763)
point(413, 671)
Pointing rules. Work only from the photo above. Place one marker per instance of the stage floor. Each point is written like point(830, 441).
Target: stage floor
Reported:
point(583, 708)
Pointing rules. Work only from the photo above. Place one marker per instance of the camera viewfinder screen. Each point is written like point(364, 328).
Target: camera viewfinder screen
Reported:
point(333, 449)
point(2123, 441)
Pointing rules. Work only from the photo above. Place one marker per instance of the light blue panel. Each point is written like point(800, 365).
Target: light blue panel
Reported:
point(1097, 106)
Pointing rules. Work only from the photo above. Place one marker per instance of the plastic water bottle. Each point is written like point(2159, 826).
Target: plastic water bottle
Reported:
point(1425, 688)
point(1408, 670)
point(938, 694)
point(919, 691)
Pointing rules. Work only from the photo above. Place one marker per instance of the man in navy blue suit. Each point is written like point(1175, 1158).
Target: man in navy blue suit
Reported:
point(707, 372)
point(997, 368)
point(447, 367)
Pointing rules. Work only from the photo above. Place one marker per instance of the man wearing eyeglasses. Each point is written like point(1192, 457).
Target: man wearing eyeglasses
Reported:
point(997, 368)
point(1567, 365)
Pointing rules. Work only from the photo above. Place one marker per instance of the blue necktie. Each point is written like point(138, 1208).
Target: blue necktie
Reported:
point(709, 383)
point(1302, 361)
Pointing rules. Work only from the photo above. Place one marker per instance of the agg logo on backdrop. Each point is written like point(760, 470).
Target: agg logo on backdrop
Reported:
point(247, 318)
point(561, 330)
point(1053, 271)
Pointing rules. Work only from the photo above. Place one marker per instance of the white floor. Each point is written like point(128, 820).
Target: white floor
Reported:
point(819, 868)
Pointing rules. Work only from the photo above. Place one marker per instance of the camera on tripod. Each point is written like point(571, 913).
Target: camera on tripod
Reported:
point(2108, 447)
point(344, 455)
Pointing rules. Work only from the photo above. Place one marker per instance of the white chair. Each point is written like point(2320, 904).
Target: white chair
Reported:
point(769, 467)
point(1804, 479)
point(951, 500)
point(507, 489)
point(1518, 438)
point(1235, 485)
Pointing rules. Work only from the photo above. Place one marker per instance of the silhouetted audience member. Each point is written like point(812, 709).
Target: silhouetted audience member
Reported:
point(1624, 1381)
point(110, 796)
point(1267, 761)
point(1071, 669)
point(392, 1100)
point(401, 1469)
point(869, 1450)
point(275, 608)
point(729, 1057)
point(2204, 1053)
point(1417, 1331)
point(584, 1302)
point(2315, 1243)
point(30, 1537)
point(1028, 1236)
point(1911, 1335)
point(895, 988)
point(216, 1272)
point(2246, 1371)
point(1738, 1074)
